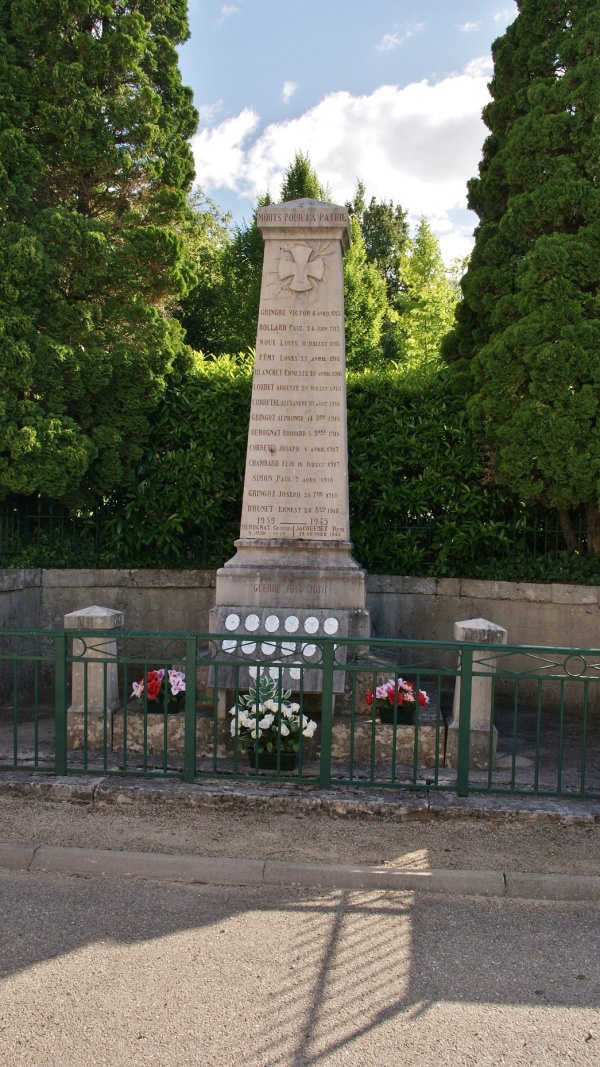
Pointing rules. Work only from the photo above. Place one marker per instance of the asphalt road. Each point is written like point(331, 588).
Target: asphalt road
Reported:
point(108, 972)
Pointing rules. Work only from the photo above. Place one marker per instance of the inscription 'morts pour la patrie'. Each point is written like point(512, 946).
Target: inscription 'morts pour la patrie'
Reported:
point(296, 483)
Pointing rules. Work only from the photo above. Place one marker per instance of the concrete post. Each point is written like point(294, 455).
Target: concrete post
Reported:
point(477, 631)
point(94, 686)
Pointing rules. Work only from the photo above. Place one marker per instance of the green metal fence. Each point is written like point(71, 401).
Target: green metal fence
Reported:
point(525, 545)
point(526, 720)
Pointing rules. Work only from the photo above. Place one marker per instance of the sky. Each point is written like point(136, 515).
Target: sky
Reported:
point(389, 92)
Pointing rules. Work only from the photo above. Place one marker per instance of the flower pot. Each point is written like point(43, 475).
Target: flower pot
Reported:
point(175, 704)
point(405, 714)
point(267, 761)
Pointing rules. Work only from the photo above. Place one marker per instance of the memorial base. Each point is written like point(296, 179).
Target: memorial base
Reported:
point(91, 731)
point(289, 593)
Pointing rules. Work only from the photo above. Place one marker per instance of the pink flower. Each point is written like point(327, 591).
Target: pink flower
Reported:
point(177, 682)
point(138, 690)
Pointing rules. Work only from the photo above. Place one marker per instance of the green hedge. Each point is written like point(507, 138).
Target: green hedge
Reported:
point(419, 499)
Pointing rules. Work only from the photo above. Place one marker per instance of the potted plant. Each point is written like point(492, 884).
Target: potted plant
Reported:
point(395, 701)
point(267, 726)
point(158, 685)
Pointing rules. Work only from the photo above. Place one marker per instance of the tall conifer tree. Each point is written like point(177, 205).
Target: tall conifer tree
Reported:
point(527, 339)
point(94, 170)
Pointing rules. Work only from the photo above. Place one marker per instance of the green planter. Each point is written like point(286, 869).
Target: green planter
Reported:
point(267, 761)
point(405, 714)
point(174, 705)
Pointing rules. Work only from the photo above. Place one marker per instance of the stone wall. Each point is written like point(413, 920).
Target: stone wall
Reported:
point(418, 608)
point(151, 600)
point(427, 608)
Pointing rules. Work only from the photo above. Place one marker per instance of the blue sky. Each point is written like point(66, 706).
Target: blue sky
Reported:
point(389, 92)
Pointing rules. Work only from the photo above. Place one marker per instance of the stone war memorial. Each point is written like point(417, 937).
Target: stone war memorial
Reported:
point(293, 575)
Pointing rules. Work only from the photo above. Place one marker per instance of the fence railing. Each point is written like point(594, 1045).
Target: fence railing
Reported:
point(527, 545)
point(495, 719)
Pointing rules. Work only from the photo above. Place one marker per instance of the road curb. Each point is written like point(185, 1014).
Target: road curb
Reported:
point(271, 874)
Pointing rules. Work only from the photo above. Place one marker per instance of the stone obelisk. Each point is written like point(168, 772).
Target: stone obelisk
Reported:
point(293, 574)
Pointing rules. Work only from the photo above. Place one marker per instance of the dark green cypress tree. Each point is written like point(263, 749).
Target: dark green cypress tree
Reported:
point(95, 166)
point(527, 339)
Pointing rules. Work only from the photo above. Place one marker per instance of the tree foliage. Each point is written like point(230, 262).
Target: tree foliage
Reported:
point(426, 306)
point(384, 229)
point(94, 171)
point(527, 339)
point(300, 180)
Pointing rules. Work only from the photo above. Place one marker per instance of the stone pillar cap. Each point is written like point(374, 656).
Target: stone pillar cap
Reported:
point(480, 630)
point(94, 617)
point(302, 216)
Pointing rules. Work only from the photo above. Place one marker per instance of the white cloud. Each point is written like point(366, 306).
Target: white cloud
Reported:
point(220, 154)
point(482, 67)
point(228, 10)
point(468, 27)
point(506, 15)
point(392, 40)
point(289, 88)
point(208, 112)
point(417, 145)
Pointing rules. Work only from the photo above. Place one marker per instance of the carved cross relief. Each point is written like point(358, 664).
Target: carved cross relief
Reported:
point(303, 270)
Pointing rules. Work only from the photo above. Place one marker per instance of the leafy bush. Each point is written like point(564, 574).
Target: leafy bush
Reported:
point(420, 502)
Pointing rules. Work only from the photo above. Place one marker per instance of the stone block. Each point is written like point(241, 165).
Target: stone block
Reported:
point(479, 750)
point(155, 733)
point(97, 729)
point(574, 594)
point(94, 684)
point(477, 631)
point(384, 743)
point(447, 586)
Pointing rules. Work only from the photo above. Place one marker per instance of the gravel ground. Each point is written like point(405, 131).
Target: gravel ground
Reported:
point(425, 842)
point(106, 973)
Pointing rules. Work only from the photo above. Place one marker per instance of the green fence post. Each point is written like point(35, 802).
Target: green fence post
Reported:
point(60, 703)
point(326, 713)
point(464, 721)
point(189, 742)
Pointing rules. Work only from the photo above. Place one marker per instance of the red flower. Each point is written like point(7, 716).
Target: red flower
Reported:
point(153, 687)
point(423, 698)
point(391, 697)
point(369, 697)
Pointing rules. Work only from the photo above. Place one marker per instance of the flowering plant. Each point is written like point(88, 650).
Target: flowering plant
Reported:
point(263, 719)
point(395, 693)
point(155, 682)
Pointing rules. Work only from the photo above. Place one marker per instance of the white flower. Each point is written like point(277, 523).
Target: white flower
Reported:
point(255, 731)
point(233, 710)
point(295, 708)
point(245, 721)
point(233, 727)
point(287, 712)
point(138, 689)
point(284, 730)
point(271, 705)
point(266, 722)
point(310, 728)
point(177, 682)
